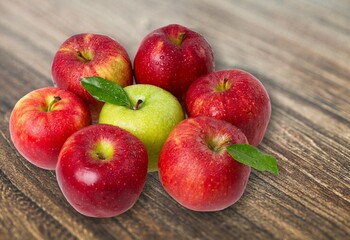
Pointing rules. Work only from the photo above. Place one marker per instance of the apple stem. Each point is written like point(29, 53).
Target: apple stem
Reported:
point(181, 37)
point(221, 145)
point(52, 103)
point(137, 105)
point(225, 81)
point(84, 57)
point(178, 39)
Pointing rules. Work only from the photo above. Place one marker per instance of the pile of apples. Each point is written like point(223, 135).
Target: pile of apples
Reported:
point(102, 134)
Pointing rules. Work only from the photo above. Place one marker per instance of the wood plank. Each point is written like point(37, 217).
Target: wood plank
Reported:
point(298, 49)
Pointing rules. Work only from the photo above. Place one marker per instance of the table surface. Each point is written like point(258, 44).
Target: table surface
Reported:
point(300, 50)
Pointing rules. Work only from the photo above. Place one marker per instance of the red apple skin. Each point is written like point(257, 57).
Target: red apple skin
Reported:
point(172, 66)
point(39, 134)
point(197, 176)
point(86, 55)
point(102, 188)
point(243, 101)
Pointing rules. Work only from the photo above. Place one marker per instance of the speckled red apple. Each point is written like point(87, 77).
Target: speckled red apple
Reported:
point(195, 167)
point(235, 96)
point(172, 57)
point(42, 120)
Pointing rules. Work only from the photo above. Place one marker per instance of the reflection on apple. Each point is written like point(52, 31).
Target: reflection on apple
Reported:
point(101, 170)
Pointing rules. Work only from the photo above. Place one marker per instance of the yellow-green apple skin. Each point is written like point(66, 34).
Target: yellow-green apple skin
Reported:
point(152, 122)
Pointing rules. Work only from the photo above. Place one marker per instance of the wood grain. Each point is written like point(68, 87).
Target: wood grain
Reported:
point(300, 50)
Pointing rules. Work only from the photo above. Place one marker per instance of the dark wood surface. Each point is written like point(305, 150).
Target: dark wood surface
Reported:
point(300, 50)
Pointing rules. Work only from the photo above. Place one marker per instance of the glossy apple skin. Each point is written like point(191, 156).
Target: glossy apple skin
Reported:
point(39, 134)
point(173, 67)
point(103, 57)
point(245, 103)
point(195, 175)
point(102, 188)
point(151, 123)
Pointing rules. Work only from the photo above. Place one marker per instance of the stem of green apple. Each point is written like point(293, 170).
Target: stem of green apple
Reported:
point(137, 105)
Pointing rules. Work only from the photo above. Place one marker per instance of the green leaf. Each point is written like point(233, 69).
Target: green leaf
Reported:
point(251, 156)
point(106, 91)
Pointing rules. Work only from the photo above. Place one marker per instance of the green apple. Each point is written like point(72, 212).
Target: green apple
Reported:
point(152, 114)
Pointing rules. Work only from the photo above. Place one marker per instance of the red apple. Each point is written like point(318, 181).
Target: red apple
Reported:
point(85, 55)
point(235, 96)
point(195, 167)
point(172, 57)
point(101, 170)
point(42, 120)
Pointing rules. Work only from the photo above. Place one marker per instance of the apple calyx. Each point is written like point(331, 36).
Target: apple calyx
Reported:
point(178, 40)
point(100, 156)
point(253, 157)
point(223, 86)
point(50, 106)
point(84, 56)
point(103, 150)
point(137, 105)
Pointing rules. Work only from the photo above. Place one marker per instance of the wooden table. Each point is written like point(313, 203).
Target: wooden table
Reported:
point(300, 50)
